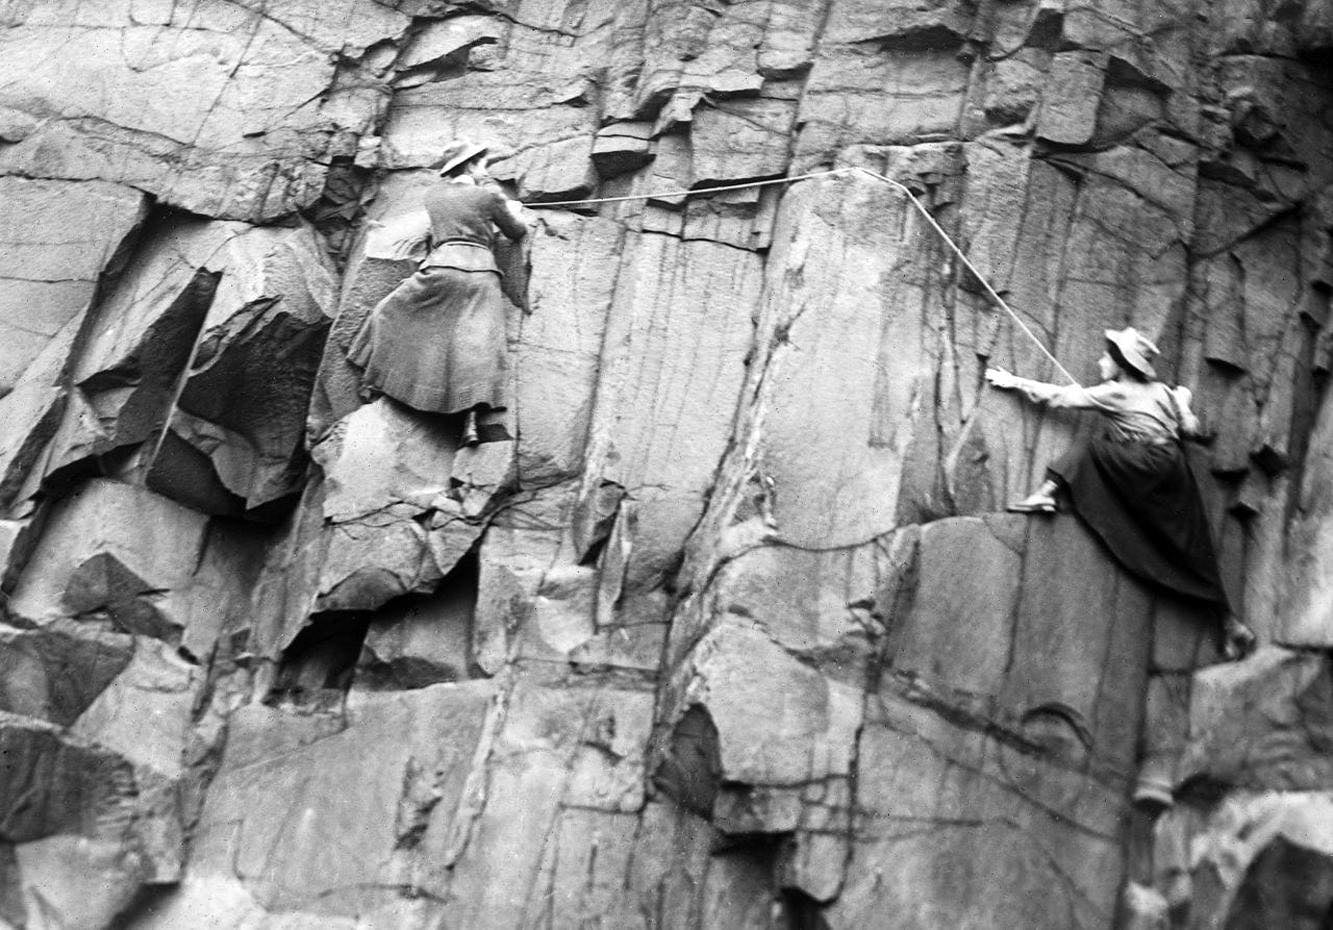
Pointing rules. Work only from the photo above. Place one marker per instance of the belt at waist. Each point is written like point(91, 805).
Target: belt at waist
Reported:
point(463, 254)
point(1139, 440)
point(471, 242)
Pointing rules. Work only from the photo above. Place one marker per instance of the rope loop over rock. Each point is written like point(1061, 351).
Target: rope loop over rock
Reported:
point(897, 185)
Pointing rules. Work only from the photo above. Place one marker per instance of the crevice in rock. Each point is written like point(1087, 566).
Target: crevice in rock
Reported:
point(690, 770)
point(420, 640)
point(136, 394)
point(317, 669)
point(800, 911)
point(337, 214)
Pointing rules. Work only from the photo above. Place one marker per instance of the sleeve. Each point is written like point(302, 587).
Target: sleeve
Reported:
point(505, 215)
point(1107, 395)
point(1189, 421)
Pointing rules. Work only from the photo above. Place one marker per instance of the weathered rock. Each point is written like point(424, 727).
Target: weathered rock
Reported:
point(243, 403)
point(561, 342)
point(380, 826)
point(32, 414)
point(560, 750)
point(530, 603)
point(1260, 859)
point(53, 673)
point(1015, 86)
point(1072, 94)
point(844, 340)
point(1051, 859)
point(89, 827)
point(230, 111)
point(1263, 724)
point(732, 634)
point(1307, 608)
point(393, 527)
point(741, 139)
point(287, 581)
point(75, 881)
point(146, 713)
point(421, 640)
point(117, 552)
point(665, 460)
point(622, 147)
point(59, 238)
point(140, 339)
point(773, 734)
point(1287, 885)
point(537, 121)
point(866, 55)
point(1008, 654)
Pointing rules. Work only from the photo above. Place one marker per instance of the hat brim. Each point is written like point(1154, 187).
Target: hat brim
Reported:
point(470, 152)
point(1130, 353)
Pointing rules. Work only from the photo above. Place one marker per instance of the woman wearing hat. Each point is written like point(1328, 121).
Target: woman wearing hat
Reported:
point(1132, 485)
point(437, 342)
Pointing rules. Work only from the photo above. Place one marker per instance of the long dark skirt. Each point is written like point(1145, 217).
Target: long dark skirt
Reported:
point(437, 342)
point(1142, 501)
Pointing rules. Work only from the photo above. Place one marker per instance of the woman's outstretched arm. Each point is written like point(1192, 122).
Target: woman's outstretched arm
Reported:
point(1054, 395)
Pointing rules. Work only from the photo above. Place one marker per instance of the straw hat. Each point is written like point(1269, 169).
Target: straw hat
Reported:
point(455, 153)
point(1135, 348)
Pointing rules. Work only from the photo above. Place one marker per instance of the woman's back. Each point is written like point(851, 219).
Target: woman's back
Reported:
point(466, 212)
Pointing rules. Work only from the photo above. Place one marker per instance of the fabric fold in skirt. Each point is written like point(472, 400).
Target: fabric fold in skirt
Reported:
point(437, 342)
point(1142, 501)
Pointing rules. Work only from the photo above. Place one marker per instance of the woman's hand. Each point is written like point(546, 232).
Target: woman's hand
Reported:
point(1001, 379)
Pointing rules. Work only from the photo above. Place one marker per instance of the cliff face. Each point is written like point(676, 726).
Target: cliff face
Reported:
point(735, 634)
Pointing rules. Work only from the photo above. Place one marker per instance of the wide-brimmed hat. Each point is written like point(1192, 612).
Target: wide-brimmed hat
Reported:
point(455, 153)
point(1135, 348)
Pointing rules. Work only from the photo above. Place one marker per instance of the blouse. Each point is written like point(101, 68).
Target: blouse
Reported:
point(1137, 411)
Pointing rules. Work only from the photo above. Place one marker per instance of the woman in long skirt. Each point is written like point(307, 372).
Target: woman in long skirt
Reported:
point(1132, 485)
point(437, 342)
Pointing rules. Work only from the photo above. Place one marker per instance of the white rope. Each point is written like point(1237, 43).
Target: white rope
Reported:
point(661, 195)
point(972, 268)
point(657, 195)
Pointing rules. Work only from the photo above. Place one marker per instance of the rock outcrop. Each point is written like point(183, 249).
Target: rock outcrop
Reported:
point(734, 631)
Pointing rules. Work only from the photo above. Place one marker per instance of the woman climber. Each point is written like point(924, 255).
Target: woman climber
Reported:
point(437, 342)
point(1132, 485)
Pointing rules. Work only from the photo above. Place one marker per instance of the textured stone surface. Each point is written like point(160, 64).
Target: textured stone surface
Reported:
point(87, 826)
point(59, 238)
point(242, 406)
point(392, 527)
point(1255, 860)
point(115, 552)
point(422, 743)
point(224, 109)
point(55, 672)
point(734, 633)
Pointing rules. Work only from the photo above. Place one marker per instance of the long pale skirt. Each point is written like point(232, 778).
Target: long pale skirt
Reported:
point(437, 342)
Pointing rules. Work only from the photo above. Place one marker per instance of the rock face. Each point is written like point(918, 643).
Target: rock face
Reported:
point(733, 632)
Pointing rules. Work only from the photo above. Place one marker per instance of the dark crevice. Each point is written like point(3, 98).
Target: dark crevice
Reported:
point(317, 669)
point(801, 912)
point(424, 639)
point(691, 768)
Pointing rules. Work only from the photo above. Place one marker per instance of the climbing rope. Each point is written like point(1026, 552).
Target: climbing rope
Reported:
point(659, 195)
point(920, 207)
